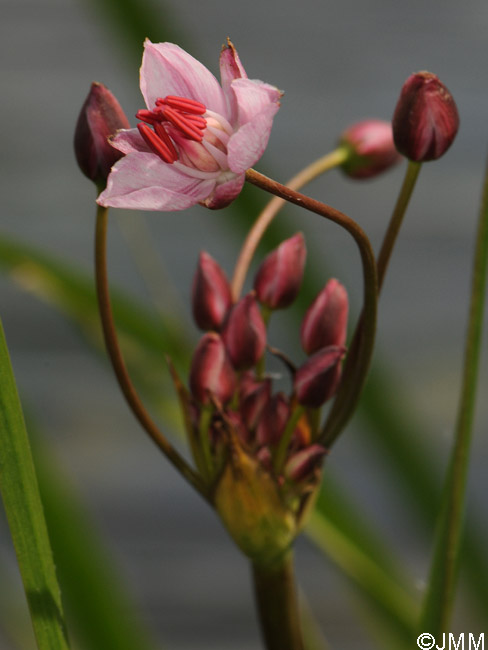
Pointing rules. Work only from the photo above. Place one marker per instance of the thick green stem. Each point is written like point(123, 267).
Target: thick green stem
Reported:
point(118, 364)
point(357, 365)
point(277, 605)
point(442, 582)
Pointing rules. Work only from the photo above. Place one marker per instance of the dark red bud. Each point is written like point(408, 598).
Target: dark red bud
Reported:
point(245, 333)
point(317, 379)
point(279, 277)
point(211, 294)
point(253, 403)
point(325, 322)
point(371, 148)
point(273, 420)
point(211, 373)
point(100, 117)
point(426, 119)
point(303, 464)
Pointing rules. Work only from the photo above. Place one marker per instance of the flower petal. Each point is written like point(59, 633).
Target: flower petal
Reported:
point(224, 193)
point(129, 141)
point(168, 70)
point(231, 68)
point(247, 145)
point(253, 96)
point(143, 181)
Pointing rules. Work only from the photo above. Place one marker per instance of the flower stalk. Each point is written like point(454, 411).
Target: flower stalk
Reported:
point(111, 342)
point(276, 601)
point(331, 160)
point(357, 363)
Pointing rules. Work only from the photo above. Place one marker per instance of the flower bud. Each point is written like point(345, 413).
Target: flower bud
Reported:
point(302, 464)
point(279, 277)
point(101, 117)
point(211, 295)
point(426, 119)
point(273, 420)
point(245, 333)
point(371, 148)
point(325, 322)
point(253, 403)
point(317, 379)
point(211, 373)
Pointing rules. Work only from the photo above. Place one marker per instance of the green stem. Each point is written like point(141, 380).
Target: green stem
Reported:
point(118, 364)
point(391, 234)
point(356, 366)
point(318, 167)
point(277, 605)
point(442, 583)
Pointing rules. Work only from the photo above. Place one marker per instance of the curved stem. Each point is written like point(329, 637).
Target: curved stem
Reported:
point(389, 239)
point(276, 600)
point(318, 167)
point(359, 357)
point(442, 582)
point(118, 364)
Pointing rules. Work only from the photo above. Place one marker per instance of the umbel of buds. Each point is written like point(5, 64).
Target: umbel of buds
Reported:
point(426, 119)
point(371, 149)
point(100, 118)
point(256, 444)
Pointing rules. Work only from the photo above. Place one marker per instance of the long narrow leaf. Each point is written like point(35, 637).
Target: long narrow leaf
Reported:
point(18, 484)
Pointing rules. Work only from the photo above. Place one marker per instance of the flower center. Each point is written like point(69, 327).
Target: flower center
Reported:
point(179, 133)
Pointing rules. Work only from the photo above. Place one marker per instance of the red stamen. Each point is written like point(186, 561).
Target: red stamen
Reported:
point(156, 144)
point(197, 120)
point(184, 104)
point(183, 123)
point(161, 132)
point(147, 116)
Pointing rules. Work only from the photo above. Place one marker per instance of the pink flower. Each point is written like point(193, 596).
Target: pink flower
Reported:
point(196, 139)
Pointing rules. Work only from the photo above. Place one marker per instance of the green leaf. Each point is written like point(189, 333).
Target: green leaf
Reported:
point(18, 484)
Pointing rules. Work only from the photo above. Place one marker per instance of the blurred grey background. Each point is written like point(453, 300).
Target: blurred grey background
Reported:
point(337, 61)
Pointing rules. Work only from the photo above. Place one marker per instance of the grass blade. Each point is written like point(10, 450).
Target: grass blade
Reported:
point(18, 484)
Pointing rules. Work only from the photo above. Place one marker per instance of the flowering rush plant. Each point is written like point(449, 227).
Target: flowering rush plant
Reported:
point(257, 440)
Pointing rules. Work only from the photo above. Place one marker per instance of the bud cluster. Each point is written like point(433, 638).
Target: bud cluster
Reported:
point(228, 370)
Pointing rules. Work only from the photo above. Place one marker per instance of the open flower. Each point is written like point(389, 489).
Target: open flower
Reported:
point(196, 139)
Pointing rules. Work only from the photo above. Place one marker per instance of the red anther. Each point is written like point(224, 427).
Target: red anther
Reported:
point(157, 145)
point(146, 116)
point(183, 124)
point(185, 104)
point(197, 120)
point(161, 132)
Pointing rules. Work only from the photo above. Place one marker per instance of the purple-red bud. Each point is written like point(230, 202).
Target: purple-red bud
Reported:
point(317, 379)
point(211, 373)
point(253, 401)
point(371, 148)
point(325, 322)
point(101, 116)
point(279, 277)
point(211, 294)
point(303, 464)
point(273, 420)
point(426, 119)
point(245, 333)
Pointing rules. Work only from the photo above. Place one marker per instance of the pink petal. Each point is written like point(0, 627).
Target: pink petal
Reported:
point(129, 141)
point(247, 145)
point(168, 70)
point(253, 97)
point(225, 193)
point(143, 181)
point(231, 68)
